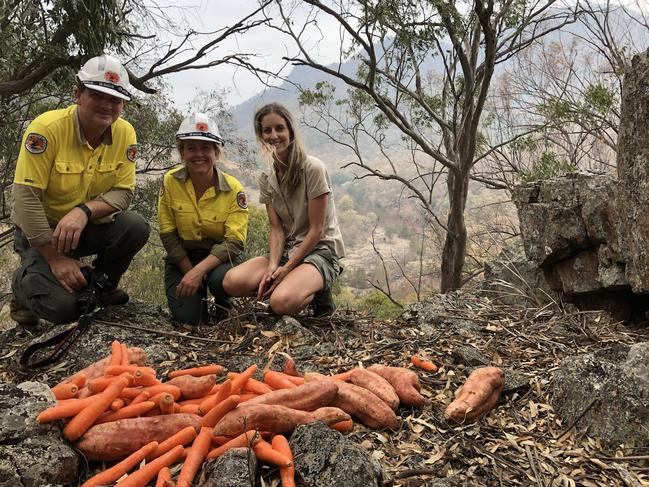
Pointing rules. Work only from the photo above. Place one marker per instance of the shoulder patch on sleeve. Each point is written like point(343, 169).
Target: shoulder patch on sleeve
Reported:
point(35, 143)
point(132, 152)
point(242, 199)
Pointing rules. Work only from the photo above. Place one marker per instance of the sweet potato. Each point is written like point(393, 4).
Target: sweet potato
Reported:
point(405, 383)
point(478, 395)
point(307, 397)
point(118, 439)
point(365, 406)
point(193, 387)
point(377, 385)
point(274, 418)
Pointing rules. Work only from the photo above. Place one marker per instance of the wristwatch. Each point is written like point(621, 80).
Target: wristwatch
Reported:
point(85, 209)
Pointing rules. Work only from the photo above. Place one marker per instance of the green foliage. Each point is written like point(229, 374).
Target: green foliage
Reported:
point(144, 279)
point(599, 98)
point(258, 231)
point(322, 94)
point(556, 109)
point(378, 304)
point(546, 167)
point(145, 200)
point(156, 122)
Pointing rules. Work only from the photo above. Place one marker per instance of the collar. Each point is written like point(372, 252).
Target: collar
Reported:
point(107, 138)
point(221, 183)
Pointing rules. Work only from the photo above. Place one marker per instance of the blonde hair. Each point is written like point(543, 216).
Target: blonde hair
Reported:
point(296, 150)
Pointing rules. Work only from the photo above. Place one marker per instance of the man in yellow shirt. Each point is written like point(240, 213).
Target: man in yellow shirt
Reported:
point(74, 181)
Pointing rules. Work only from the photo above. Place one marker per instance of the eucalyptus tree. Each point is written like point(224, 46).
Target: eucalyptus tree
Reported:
point(425, 68)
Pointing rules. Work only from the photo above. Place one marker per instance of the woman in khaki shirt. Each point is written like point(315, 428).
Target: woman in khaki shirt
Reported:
point(305, 243)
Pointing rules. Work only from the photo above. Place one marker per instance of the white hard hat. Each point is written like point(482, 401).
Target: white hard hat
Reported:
point(199, 126)
point(105, 73)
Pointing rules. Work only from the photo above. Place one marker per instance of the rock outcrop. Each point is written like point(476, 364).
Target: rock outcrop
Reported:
point(610, 388)
point(590, 233)
point(32, 454)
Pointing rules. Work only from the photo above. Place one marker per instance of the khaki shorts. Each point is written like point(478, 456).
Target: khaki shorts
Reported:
point(322, 259)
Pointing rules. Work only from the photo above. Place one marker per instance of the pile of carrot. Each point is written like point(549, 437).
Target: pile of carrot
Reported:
point(118, 409)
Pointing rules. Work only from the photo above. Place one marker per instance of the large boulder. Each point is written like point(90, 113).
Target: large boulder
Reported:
point(32, 454)
point(324, 458)
point(612, 387)
point(633, 173)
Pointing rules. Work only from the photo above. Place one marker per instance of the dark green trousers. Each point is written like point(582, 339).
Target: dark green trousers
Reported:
point(193, 309)
point(115, 244)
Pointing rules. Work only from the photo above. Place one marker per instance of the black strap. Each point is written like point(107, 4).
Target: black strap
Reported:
point(63, 339)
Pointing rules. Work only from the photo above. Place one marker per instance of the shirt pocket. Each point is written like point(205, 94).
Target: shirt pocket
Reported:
point(67, 179)
point(186, 219)
point(105, 177)
point(214, 225)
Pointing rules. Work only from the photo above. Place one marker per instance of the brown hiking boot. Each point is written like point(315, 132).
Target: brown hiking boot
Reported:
point(21, 315)
point(114, 297)
point(323, 303)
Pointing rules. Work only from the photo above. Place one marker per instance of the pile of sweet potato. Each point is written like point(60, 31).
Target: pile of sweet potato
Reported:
point(119, 410)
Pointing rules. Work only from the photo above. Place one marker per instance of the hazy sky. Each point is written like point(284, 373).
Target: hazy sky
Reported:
point(207, 16)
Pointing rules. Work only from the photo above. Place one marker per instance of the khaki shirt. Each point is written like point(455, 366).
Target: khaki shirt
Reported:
point(293, 211)
point(218, 221)
point(57, 169)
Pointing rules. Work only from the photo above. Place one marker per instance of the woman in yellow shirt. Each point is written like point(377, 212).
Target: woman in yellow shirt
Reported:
point(203, 217)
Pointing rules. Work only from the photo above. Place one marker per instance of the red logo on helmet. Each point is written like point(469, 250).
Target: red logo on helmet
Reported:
point(202, 127)
point(111, 76)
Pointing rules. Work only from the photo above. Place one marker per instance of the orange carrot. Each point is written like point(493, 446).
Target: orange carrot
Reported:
point(164, 478)
point(240, 380)
point(219, 440)
point(277, 380)
point(195, 458)
point(182, 437)
point(101, 383)
point(131, 392)
point(287, 474)
point(141, 477)
point(115, 353)
point(265, 453)
point(65, 391)
point(79, 380)
point(145, 379)
point(118, 403)
point(130, 411)
point(88, 415)
point(125, 359)
point(343, 426)
point(426, 365)
point(112, 474)
point(221, 409)
point(210, 401)
point(246, 439)
point(189, 408)
point(166, 404)
point(196, 401)
point(64, 409)
point(256, 387)
point(141, 397)
point(133, 369)
point(197, 371)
